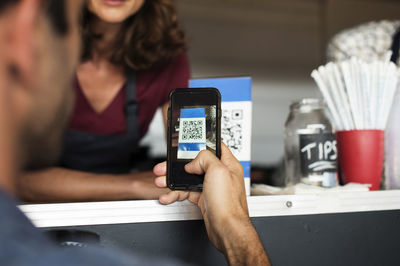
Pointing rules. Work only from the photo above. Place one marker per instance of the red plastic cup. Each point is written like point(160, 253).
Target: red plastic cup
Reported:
point(361, 155)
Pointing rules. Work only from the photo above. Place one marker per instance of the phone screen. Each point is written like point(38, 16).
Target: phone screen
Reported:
point(194, 126)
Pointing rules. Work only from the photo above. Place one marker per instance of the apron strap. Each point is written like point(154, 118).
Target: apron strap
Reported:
point(395, 47)
point(131, 106)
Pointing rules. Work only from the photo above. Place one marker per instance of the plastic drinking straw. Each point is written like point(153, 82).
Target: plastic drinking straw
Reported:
point(366, 95)
point(357, 98)
point(316, 76)
point(325, 75)
point(390, 89)
point(359, 95)
point(336, 97)
point(372, 104)
point(322, 86)
point(367, 76)
point(381, 92)
point(387, 77)
point(359, 92)
point(343, 96)
point(374, 93)
point(351, 92)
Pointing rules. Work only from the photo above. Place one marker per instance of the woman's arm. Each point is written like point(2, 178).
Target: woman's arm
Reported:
point(64, 185)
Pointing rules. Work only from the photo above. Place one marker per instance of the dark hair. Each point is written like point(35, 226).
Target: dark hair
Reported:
point(55, 10)
point(6, 3)
point(147, 38)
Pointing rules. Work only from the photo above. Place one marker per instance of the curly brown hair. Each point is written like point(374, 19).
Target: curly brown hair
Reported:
point(150, 37)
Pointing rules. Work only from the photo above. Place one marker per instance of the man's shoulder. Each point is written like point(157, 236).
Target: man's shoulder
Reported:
point(75, 256)
point(98, 256)
point(23, 244)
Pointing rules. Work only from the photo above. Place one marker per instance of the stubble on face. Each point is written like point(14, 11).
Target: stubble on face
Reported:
point(57, 58)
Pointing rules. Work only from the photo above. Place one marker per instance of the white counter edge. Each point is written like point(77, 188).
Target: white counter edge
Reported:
point(119, 212)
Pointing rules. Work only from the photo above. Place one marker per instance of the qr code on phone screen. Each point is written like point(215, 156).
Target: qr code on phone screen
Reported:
point(232, 126)
point(192, 130)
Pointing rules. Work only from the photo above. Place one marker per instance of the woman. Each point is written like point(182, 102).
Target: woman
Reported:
point(133, 56)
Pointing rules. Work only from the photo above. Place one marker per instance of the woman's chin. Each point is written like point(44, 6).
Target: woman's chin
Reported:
point(114, 11)
point(113, 16)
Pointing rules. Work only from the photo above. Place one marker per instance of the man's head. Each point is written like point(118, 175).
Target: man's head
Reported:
point(39, 49)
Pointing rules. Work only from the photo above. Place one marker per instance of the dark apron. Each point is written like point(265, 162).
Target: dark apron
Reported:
point(395, 47)
point(105, 154)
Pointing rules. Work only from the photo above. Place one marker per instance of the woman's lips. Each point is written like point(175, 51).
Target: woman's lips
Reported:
point(114, 2)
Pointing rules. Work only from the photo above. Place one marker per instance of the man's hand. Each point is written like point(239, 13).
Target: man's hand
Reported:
point(223, 198)
point(223, 205)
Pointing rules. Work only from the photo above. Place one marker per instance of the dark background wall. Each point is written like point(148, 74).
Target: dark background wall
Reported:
point(278, 43)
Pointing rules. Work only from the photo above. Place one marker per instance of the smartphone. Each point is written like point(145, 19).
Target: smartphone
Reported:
point(194, 124)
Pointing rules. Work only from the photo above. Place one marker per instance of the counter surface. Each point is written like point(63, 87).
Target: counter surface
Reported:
point(144, 211)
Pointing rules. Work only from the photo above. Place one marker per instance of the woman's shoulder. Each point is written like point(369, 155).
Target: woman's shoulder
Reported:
point(178, 62)
point(175, 68)
point(158, 82)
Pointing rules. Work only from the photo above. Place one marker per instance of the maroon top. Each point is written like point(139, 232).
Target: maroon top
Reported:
point(152, 90)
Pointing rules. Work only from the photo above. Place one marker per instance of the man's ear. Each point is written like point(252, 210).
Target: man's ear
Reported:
point(22, 38)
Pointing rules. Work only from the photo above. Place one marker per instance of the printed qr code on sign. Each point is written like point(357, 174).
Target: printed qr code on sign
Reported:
point(232, 126)
point(192, 130)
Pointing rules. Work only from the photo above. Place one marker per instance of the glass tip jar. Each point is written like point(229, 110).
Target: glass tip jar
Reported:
point(310, 145)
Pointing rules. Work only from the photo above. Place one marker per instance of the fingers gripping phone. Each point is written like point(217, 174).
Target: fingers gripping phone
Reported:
point(194, 124)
